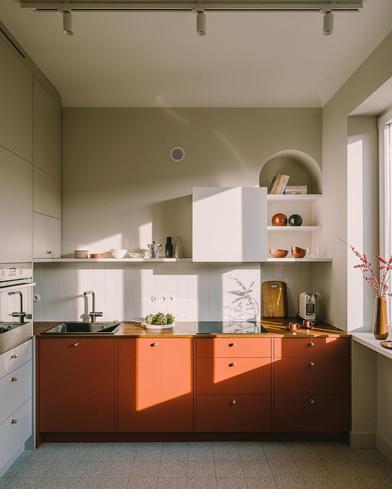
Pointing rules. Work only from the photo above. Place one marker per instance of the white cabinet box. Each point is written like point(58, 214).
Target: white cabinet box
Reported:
point(229, 224)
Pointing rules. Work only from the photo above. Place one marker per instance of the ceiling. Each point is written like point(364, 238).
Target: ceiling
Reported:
point(149, 59)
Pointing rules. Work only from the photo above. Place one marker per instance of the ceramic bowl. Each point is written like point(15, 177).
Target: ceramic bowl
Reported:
point(277, 253)
point(81, 253)
point(298, 252)
point(279, 220)
point(295, 220)
point(118, 253)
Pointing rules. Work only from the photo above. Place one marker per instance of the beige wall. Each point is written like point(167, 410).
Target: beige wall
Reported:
point(120, 188)
point(373, 73)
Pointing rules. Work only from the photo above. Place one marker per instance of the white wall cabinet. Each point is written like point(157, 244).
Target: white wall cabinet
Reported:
point(16, 103)
point(47, 131)
point(47, 194)
point(16, 207)
point(230, 224)
point(47, 237)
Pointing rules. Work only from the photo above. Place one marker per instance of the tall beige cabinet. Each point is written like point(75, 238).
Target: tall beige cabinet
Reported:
point(47, 174)
point(30, 160)
point(16, 155)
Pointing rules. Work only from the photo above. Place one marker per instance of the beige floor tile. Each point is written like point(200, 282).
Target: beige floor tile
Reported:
point(123, 451)
point(145, 469)
point(311, 468)
point(173, 468)
point(343, 469)
point(149, 451)
point(304, 450)
point(200, 451)
point(172, 483)
point(231, 483)
point(284, 469)
point(378, 483)
point(261, 483)
point(201, 483)
point(251, 451)
point(62, 469)
point(58, 451)
point(200, 469)
point(229, 468)
point(28, 470)
point(118, 469)
point(18, 484)
point(141, 483)
point(319, 483)
point(256, 470)
point(276, 451)
point(67, 483)
point(371, 469)
point(113, 483)
point(175, 450)
point(290, 483)
point(350, 483)
point(89, 468)
point(225, 451)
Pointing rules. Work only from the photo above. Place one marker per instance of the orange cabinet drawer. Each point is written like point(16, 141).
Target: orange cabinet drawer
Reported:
point(311, 413)
point(314, 347)
point(312, 375)
point(233, 414)
point(234, 375)
point(234, 347)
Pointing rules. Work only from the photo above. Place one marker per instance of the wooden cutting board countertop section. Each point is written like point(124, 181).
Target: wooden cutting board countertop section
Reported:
point(275, 327)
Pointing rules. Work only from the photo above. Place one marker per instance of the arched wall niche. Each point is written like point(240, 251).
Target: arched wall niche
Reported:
point(301, 168)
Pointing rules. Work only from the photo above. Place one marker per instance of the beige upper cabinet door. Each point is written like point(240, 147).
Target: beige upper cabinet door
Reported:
point(16, 103)
point(47, 194)
point(16, 208)
point(47, 131)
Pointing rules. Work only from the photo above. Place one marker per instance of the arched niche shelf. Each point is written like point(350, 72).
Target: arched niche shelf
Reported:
point(302, 169)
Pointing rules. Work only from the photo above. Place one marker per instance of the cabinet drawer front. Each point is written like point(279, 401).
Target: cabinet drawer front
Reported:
point(14, 358)
point(234, 375)
point(233, 414)
point(313, 375)
point(15, 390)
point(311, 413)
point(14, 431)
point(234, 347)
point(314, 347)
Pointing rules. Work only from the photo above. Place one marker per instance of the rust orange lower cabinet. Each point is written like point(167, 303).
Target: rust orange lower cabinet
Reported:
point(77, 385)
point(161, 385)
point(311, 385)
point(155, 385)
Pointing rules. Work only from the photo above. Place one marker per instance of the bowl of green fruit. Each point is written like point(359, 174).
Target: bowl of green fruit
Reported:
point(159, 320)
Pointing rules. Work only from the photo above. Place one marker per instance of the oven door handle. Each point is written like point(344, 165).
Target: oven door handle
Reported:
point(17, 287)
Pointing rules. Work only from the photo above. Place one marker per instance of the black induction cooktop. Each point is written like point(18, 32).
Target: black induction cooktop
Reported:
point(230, 327)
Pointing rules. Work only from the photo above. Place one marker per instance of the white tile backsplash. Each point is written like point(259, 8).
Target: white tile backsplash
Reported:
point(191, 291)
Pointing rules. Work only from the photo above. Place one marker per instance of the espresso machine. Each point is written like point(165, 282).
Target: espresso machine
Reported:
point(307, 306)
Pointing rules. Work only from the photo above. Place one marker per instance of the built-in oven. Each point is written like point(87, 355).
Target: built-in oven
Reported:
point(16, 304)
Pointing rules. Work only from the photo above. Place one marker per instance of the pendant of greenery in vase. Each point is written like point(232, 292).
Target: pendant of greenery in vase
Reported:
point(379, 279)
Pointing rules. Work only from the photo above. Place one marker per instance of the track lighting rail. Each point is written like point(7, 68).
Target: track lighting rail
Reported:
point(257, 5)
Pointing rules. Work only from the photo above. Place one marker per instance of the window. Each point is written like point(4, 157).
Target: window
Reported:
point(385, 132)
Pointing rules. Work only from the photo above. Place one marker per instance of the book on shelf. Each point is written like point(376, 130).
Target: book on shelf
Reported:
point(296, 189)
point(278, 184)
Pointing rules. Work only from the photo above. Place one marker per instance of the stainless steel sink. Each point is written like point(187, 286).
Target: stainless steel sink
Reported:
point(81, 327)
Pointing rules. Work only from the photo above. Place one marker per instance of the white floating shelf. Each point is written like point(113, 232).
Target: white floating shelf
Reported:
point(293, 198)
point(288, 229)
point(111, 260)
point(309, 259)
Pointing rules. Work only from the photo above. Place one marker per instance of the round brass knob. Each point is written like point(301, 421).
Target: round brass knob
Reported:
point(76, 344)
point(14, 421)
point(312, 401)
point(231, 345)
point(233, 402)
point(49, 252)
point(14, 356)
point(14, 379)
point(311, 343)
point(153, 345)
point(233, 364)
point(311, 364)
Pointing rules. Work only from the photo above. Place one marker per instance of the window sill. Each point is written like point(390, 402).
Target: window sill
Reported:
point(368, 340)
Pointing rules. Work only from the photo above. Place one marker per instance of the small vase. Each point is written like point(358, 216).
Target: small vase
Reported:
point(381, 322)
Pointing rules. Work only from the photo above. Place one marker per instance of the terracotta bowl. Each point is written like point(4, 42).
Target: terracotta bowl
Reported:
point(279, 220)
point(277, 253)
point(298, 252)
